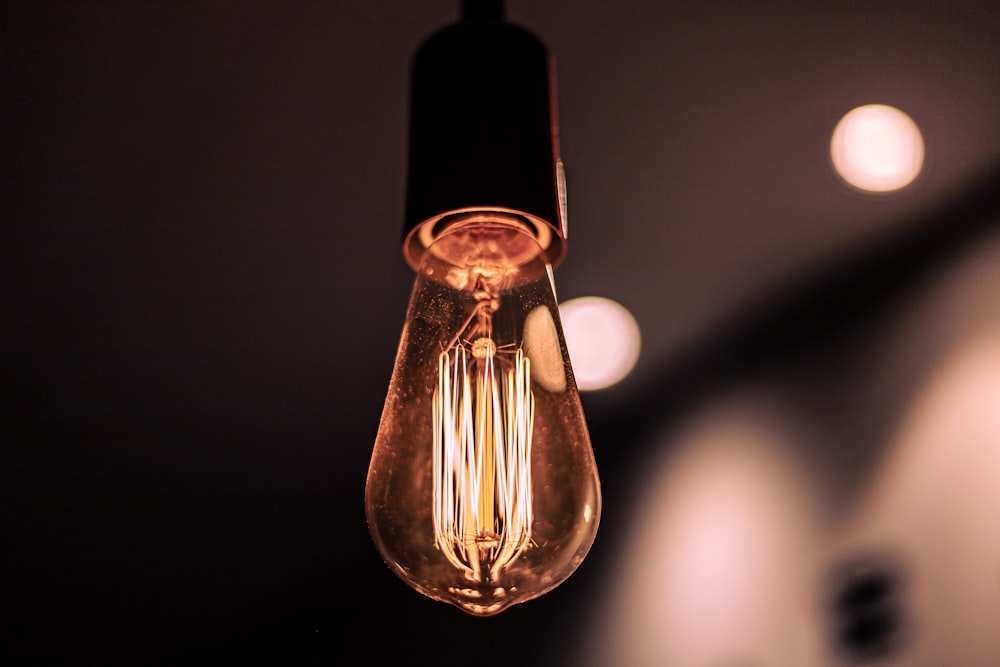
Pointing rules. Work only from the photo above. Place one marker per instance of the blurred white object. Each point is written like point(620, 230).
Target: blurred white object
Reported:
point(603, 340)
point(877, 148)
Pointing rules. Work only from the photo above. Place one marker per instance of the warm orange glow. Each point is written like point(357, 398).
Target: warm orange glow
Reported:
point(482, 460)
point(877, 148)
point(483, 490)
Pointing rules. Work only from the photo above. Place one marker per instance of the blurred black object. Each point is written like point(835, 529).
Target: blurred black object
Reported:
point(867, 609)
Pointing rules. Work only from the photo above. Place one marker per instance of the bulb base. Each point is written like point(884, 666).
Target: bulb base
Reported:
point(483, 134)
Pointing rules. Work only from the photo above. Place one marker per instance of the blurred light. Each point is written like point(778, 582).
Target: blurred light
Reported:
point(716, 566)
point(936, 499)
point(877, 148)
point(603, 340)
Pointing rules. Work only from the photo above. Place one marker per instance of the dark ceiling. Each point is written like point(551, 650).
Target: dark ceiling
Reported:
point(203, 285)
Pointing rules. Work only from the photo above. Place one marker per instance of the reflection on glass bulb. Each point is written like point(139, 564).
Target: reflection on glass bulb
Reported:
point(482, 490)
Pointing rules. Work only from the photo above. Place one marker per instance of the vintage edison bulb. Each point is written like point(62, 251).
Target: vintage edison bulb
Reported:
point(482, 490)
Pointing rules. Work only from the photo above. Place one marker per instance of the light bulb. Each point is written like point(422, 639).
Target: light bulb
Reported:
point(483, 491)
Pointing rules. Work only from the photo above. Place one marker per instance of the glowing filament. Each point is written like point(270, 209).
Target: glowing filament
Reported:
point(482, 456)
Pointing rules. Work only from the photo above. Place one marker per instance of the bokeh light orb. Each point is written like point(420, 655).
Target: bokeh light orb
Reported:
point(603, 341)
point(877, 148)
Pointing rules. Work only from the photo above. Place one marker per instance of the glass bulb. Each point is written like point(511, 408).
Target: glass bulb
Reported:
point(483, 490)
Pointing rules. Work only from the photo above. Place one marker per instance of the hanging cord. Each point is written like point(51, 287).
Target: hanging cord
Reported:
point(482, 10)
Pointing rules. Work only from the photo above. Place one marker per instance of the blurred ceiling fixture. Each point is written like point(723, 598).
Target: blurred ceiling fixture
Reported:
point(877, 148)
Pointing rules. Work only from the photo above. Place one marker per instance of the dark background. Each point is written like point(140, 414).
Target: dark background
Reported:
point(202, 286)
